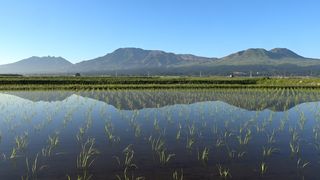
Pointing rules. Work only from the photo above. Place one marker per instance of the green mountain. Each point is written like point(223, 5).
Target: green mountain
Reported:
point(136, 61)
point(136, 58)
point(277, 56)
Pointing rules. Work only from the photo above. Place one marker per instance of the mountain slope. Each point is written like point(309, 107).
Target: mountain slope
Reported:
point(136, 61)
point(283, 53)
point(277, 56)
point(136, 58)
point(37, 65)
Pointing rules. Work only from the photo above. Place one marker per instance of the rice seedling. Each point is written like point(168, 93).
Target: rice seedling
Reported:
point(270, 119)
point(190, 142)
point(156, 126)
point(159, 147)
point(178, 135)
point(13, 153)
point(164, 157)
point(129, 154)
point(220, 141)
point(302, 164)
point(80, 134)
point(33, 168)
point(224, 172)
point(21, 142)
point(302, 120)
point(177, 175)
point(137, 130)
point(87, 155)
point(203, 155)
point(271, 137)
point(157, 144)
point(227, 135)
point(261, 128)
point(127, 176)
point(109, 130)
point(269, 151)
point(67, 118)
point(241, 154)
point(263, 168)
point(282, 125)
point(84, 176)
point(294, 135)
point(128, 161)
point(316, 131)
point(128, 165)
point(52, 144)
point(192, 130)
point(244, 139)
point(294, 142)
point(232, 154)
point(294, 148)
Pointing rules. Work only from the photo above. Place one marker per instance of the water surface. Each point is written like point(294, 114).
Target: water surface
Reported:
point(249, 134)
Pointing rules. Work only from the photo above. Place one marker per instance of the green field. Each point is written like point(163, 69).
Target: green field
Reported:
point(80, 83)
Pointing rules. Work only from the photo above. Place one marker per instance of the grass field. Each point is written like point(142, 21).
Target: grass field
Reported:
point(79, 83)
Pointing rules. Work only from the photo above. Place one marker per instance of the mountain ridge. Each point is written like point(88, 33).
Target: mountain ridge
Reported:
point(35, 64)
point(137, 61)
point(130, 58)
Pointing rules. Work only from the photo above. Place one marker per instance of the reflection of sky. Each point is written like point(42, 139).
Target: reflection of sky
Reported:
point(19, 107)
point(18, 115)
point(23, 115)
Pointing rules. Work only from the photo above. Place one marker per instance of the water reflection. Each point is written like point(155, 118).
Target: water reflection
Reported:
point(202, 134)
point(249, 99)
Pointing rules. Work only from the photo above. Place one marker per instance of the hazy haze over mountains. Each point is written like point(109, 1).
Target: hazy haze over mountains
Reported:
point(136, 61)
point(37, 65)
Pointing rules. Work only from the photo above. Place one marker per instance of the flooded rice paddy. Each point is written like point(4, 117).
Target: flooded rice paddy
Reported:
point(163, 134)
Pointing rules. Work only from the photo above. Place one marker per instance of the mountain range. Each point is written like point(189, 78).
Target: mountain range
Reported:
point(136, 61)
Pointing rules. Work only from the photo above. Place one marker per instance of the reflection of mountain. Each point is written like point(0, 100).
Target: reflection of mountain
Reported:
point(48, 96)
point(276, 100)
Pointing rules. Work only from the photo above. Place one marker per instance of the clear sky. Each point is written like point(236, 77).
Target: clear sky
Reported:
point(84, 29)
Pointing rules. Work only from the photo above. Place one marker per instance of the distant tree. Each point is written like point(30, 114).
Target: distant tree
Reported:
point(77, 75)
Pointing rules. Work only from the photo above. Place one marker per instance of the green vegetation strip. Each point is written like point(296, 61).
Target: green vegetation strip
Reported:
point(79, 83)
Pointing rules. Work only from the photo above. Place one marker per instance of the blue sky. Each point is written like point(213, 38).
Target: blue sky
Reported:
point(84, 29)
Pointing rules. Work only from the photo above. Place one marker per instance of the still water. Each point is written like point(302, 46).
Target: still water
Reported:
point(163, 134)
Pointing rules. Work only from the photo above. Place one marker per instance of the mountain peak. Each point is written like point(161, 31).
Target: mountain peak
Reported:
point(252, 52)
point(284, 52)
point(36, 64)
point(137, 51)
point(128, 49)
point(44, 59)
point(256, 51)
point(260, 53)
